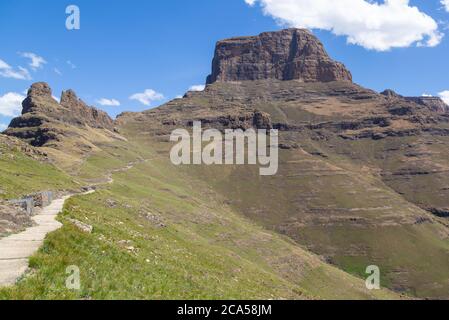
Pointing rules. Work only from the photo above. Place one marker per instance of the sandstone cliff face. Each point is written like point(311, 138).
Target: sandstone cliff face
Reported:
point(292, 54)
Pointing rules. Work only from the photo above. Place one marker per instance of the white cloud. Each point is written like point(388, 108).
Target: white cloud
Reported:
point(36, 62)
point(4, 65)
point(148, 96)
point(426, 95)
point(445, 96)
point(7, 71)
point(3, 127)
point(57, 71)
point(71, 64)
point(197, 87)
point(373, 25)
point(11, 104)
point(56, 98)
point(108, 102)
point(445, 3)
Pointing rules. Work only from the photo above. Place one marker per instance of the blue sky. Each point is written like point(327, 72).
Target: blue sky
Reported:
point(126, 47)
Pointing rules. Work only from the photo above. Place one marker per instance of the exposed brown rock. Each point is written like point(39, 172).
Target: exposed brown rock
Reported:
point(89, 115)
point(435, 104)
point(284, 55)
point(39, 99)
point(44, 119)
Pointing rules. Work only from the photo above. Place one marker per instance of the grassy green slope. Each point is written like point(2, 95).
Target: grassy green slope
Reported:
point(354, 202)
point(21, 174)
point(160, 234)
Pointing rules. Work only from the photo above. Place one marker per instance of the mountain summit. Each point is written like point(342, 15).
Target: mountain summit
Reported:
point(291, 54)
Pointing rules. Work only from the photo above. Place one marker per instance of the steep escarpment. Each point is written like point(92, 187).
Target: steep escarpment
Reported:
point(363, 177)
point(285, 55)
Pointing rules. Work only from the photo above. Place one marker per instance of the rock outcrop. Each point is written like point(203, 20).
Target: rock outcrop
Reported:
point(291, 54)
point(434, 104)
point(39, 99)
point(255, 119)
point(89, 115)
point(72, 110)
point(43, 119)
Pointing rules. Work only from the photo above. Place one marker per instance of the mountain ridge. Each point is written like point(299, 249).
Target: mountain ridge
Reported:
point(363, 176)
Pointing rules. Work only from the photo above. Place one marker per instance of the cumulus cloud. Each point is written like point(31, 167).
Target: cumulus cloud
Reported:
point(445, 96)
point(108, 102)
point(36, 62)
point(147, 97)
point(373, 25)
point(197, 87)
point(445, 3)
point(11, 104)
point(19, 73)
point(3, 127)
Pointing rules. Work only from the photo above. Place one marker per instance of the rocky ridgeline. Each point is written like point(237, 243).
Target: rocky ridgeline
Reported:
point(44, 119)
point(89, 115)
point(291, 54)
point(71, 109)
point(433, 103)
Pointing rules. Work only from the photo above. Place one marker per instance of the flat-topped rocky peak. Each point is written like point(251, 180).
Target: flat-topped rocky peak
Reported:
point(40, 89)
point(290, 54)
point(39, 99)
